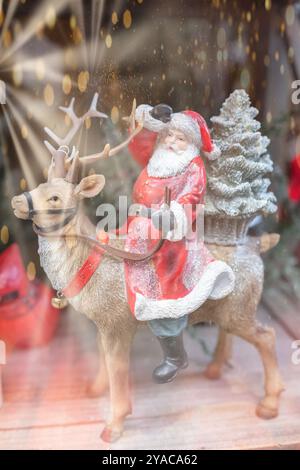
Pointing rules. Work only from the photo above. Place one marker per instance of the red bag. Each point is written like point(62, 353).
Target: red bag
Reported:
point(27, 318)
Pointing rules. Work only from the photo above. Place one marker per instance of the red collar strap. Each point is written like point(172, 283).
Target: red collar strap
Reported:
point(84, 273)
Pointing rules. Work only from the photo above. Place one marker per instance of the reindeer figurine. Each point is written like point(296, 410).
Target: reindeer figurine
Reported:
point(63, 233)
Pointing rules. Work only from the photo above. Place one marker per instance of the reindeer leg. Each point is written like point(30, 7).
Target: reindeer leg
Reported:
point(100, 384)
point(221, 355)
point(117, 353)
point(263, 338)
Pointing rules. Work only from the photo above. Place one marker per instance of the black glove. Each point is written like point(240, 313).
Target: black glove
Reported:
point(162, 112)
point(163, 220)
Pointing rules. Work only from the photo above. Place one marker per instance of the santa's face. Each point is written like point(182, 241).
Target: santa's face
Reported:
point(172, 154)
point(176, 141)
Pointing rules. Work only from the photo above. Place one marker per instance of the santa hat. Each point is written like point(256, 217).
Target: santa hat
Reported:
point(192, 124)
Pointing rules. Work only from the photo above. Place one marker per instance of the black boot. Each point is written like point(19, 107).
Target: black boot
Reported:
point(175, 358)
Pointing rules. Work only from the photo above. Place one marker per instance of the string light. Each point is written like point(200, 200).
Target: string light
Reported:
point(290, 15)
point(221, 38)
point(268, 5)
point(83, 80)
point(108, 41)
point(51, 17)
point(127, 19)
point(4, 234)
point(267, 60)
point(73, 22)
point(24, 131)
point(114, 18)
point(49, 94)
point(7, 38)
point(17, 74)
point(114, 114)
point(23, 184)
point(31, 271)
point(269, 117)
point(67, 84)
point(77, 35)
point(245, 78)
point(40, 69)
point(291, 52)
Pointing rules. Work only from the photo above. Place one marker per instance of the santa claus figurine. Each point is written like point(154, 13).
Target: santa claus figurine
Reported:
point(182, 275)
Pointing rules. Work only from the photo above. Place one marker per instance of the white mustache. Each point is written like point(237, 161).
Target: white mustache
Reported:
point(166, 162)
point(173, 148)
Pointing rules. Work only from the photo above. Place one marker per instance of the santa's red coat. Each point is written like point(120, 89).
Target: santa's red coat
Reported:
point(174, 270)
point(141, 147)
point(294, 179)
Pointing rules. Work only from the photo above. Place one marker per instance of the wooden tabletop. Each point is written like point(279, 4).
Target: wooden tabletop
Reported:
point(46, 406)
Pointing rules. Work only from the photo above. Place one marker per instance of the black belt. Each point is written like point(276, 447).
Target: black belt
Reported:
point(51, 228)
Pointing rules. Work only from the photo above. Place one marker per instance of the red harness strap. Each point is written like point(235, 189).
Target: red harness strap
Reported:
point(84, 273)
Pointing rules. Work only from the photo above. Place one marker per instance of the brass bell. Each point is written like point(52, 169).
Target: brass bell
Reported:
point(59, 302)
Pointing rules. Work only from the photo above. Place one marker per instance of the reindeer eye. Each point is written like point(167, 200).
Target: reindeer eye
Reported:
point(53, 199)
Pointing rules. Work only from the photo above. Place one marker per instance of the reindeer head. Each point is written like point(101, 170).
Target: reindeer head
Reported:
point(52, 205)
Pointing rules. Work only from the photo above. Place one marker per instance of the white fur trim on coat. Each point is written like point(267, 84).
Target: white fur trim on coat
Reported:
point(181, 223)
point(142, 113)
point(216, 282)
point(213, 154)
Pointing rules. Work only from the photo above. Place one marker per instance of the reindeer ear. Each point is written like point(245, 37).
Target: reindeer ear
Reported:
point(90, 186)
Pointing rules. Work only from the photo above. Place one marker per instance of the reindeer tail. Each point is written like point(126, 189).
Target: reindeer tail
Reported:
point(268, 241)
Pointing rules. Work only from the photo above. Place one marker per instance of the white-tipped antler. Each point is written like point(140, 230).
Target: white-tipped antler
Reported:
point(107, 151)
point(77, 122)
point(73, 155)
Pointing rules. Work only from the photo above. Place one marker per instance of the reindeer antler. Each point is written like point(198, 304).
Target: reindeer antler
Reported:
point(77, 122)
point(131, 119)
point(60, 156)
point(107, 151)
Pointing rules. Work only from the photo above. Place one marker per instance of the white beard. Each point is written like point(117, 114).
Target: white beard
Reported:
point(166, 163)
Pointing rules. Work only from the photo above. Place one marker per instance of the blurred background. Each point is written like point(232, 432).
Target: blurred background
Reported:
point(185, 53)
point(188, 54)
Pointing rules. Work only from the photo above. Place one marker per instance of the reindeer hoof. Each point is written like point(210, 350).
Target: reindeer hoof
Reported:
point(212, 371)
point(111, 435)
point(267, 408)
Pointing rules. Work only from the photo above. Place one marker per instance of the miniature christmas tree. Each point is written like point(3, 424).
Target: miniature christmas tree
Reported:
point(237, 183)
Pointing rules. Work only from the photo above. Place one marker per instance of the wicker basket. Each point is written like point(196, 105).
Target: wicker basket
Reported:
point(226, 231)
